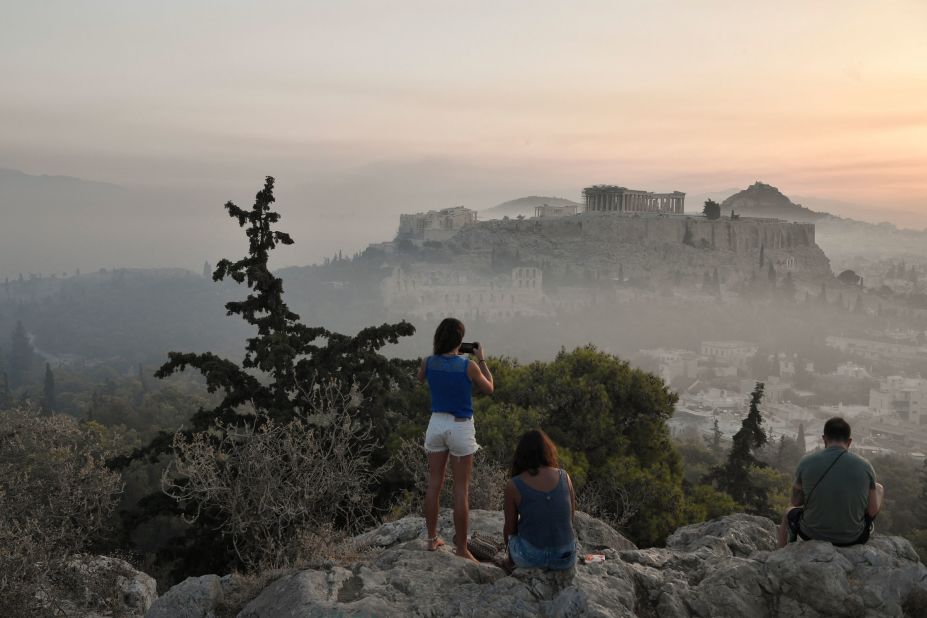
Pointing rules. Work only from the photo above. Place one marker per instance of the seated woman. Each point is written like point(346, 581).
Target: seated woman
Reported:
point(539, 507)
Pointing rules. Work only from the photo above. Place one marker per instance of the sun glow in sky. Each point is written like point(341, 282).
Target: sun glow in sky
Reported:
point(820, 98)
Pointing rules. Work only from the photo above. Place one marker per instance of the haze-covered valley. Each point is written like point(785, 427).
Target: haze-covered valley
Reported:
point(688, 241)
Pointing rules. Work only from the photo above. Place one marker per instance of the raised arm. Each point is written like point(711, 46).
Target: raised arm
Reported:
point(480, 374)
point(421, 371)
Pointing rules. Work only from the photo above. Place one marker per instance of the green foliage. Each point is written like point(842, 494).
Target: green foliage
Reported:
point(48, 399)
point(608, 419)
point(737, 476)
point(712, 210)
point(21, 356)
point(704, 502)
point(291, 355)
point(284, 364)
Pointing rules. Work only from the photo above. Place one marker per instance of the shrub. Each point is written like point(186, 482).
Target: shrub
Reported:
point(282, 491)
point(57, 500)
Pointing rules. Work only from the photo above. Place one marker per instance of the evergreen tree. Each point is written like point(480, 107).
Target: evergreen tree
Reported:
point(762, 256)
point(286, 351)
point(142, 378)
point(48, 400)
point(771, 274)
point(715, 444)
point(4, 391)
point(800, 438)
point(712, 210)
point(734, 476)
point(282, 362)
point(788, 286)
point(922, 502)
point(21, 354)
point(687, 238)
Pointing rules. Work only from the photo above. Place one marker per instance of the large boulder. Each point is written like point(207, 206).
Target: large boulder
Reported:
point(98, 586)
point(194, 597)
point(725, 567)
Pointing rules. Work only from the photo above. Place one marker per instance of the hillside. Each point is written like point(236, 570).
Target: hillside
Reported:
point(849, 243)
point(763, 200)
point(523, 206)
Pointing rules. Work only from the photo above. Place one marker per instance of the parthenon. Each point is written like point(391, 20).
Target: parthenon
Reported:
point(611, 198)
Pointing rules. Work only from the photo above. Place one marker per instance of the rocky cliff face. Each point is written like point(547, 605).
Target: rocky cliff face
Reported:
point(725, 567)
point(651, 247)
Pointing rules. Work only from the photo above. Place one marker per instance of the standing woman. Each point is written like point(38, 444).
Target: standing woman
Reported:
point(451, 378)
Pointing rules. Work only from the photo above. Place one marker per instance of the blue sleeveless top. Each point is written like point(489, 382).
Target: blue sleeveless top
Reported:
point(545, 518)
point(450, 386)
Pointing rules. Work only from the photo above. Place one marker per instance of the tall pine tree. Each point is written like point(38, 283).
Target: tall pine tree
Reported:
point(49, 402)
point(734, 476)
point(21, 354)
point(275, 378)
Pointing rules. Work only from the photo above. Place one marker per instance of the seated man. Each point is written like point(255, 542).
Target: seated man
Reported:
point(835, 496)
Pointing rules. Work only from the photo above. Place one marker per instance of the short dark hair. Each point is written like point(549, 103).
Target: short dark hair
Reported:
point(534, 450)
point(837, 429)
point(448, 335)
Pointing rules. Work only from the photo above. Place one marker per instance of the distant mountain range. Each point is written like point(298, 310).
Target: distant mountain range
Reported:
point(524, 206)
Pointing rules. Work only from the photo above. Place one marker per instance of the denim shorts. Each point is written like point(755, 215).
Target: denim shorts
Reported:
point(526, 556)
point(448, 433)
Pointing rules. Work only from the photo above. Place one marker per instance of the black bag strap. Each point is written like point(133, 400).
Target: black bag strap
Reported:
point(832, 464)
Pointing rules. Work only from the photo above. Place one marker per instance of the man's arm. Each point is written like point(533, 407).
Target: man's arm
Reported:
point(798, 495)
point(876, 495)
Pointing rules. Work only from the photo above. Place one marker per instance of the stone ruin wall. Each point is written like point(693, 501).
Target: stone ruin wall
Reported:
point(656, 243)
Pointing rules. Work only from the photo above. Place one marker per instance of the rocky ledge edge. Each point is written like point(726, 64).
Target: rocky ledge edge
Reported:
point(725, 567)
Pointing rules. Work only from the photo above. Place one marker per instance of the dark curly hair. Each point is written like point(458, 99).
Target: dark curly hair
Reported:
point(534, 451)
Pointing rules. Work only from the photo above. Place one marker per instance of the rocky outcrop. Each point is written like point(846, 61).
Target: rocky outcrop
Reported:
point(194, 597)
point(644, 246)
point(725, 567)
point(98, 586)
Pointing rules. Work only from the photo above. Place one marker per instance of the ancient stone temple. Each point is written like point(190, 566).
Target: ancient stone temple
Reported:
point(611, 198)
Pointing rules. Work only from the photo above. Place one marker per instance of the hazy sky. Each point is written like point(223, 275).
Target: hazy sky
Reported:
point(820, 98)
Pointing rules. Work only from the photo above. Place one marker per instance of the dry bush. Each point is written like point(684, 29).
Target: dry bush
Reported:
point(609, 502)
point(285, 492)
point(57, 497)
point(487, 482)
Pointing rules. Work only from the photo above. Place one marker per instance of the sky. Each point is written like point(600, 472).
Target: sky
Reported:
point(382, 106)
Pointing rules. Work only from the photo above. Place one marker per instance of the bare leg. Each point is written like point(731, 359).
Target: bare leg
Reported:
point(462, 467)
point(784, 528)
point(437, 466)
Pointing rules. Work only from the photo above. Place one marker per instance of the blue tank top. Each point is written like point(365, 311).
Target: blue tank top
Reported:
point(450, 386)
point(545, 518)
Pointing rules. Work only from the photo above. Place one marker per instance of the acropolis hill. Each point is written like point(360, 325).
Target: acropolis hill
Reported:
point(626, 243)
point(648, 245)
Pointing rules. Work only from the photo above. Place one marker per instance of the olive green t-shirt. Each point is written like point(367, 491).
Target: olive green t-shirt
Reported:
point(836, 511)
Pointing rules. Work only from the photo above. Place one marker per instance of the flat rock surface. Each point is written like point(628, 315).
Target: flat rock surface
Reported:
point(725, 567)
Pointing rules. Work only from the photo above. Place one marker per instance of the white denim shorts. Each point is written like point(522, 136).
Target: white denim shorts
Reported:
point(447, 433)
